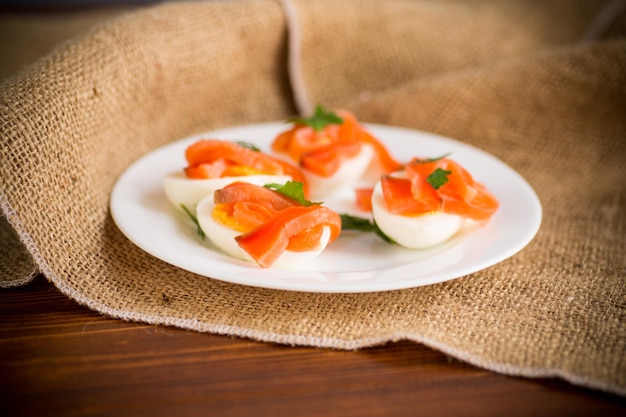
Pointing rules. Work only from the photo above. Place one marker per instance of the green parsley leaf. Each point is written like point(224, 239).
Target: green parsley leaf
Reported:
point(319, 120)
point(349, 222)
point(194, 219)
point(438, 178)
point(248, 145)
point(292, 189)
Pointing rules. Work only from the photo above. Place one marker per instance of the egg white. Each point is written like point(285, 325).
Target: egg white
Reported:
point(181, 190)
point(224, 238)
point(414, 232)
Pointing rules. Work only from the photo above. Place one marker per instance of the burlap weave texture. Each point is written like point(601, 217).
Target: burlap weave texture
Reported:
point(516, 79)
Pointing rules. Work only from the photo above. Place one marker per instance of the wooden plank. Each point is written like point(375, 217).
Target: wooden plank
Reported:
point(61, 359)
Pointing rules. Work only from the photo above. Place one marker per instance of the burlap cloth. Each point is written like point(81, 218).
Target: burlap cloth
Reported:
point(541, 85)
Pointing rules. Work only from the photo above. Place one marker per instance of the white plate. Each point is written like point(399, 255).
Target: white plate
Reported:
point(355, 262)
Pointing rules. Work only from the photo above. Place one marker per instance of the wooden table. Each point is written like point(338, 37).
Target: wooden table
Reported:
point(61, 359)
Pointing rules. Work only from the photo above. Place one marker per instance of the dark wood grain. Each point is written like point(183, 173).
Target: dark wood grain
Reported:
point(61, 359)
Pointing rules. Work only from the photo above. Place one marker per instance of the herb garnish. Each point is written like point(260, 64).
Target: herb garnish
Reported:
point(319, 120)
point(293, 190)
point(248, 145)
point(194, 219)
point(438, 178)
point(427, 160)
point(349, 222)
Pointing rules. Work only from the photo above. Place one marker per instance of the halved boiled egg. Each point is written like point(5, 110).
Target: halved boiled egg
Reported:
point(429, 201)
point(212, 164)
point(224, 238)
point(415, 231)
point(334, 151)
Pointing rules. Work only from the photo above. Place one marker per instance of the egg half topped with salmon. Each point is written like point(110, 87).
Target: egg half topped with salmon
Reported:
point(428, 202)
point(212, 164)
point(333, 150)
point(268, 226)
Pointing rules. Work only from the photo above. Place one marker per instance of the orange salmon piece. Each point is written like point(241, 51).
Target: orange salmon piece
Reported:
point(326, 160)
point(460, 195)
point(243, 191)
point(267, 242)
point(206, 151)
point(363, 198)
point(301, 143)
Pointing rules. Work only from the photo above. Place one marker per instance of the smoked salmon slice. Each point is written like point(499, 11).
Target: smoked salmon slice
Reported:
point(267, 242)
point(214, 158)
point(272, 222)
point(211, 150)
point(457, 193)
point(320, 145)
point(363, 198)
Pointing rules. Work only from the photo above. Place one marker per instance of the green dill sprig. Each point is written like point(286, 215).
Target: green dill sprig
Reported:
point(248, 145)
point(194, 219)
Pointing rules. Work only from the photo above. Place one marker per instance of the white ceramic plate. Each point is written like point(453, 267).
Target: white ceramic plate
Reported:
point(355, 262)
